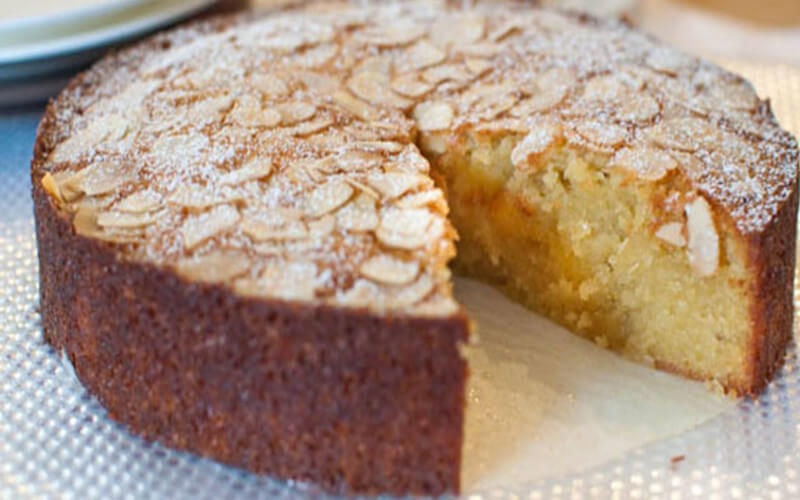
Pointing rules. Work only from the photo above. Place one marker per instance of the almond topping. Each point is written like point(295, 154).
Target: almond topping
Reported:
point(197, 229)
point(405, 228)
point(215, 267)
point(373, 88)
point(358, 215)
point(255, 169)
point(394, 184)
point(295, 112)
point(126, 220)
point(647, 163)
point(389, 270)
point(431, 116)
point(328, 197)
point(146, 200)
point(536, 142)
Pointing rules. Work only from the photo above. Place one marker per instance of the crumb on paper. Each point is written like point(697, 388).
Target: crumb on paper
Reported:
point(674, 461)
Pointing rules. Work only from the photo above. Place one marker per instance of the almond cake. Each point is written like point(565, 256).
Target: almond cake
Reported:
point(245, 225)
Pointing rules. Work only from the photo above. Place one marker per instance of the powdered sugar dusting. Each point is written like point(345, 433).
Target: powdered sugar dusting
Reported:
point(288, 139)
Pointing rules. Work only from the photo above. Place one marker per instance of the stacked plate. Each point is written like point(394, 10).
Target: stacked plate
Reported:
point(44, 42)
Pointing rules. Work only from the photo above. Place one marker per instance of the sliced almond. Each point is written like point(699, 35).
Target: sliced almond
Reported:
point(432, 198)
point(459, 28)
point(421, 55)
point(667, 60)
point(200, 197)
point(672, 233)
point(325, 225)
point(125, 220)
point(478, 66)
point(602, 134)
point(257, 168)
point(645, 162)
point(639, 108)
point(355, 106)
point(536, 142)
point(289, 281)
point(99, 178)
point(328, 197)
point(411, 294)
point(311, 127)
point(703, 241)
point(295, 112)
point(374, 88)
point(394, 184)
point(199, 228)
point(409, 85)
point(405, 228)
point(249, 113)
point(359, 215)
point(446, 72)
point(389, 270)
point(50, 185)
point(145, 200)
point(432, 116)
point(270, 85)
point(395, 34)
point(684, 134)
point(215, 267)
point(260, 230)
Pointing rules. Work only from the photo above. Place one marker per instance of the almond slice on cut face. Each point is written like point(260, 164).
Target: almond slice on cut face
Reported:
point(703, 241)
point(672, 233)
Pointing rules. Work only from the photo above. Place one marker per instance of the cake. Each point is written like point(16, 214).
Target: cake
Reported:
point(244, 225)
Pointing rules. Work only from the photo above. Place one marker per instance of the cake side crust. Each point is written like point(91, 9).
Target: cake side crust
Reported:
point(352, 401)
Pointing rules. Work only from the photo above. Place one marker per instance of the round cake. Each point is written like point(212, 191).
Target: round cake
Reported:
point(245, 225)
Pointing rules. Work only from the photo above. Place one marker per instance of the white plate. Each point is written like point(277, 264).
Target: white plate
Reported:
point(18, 15)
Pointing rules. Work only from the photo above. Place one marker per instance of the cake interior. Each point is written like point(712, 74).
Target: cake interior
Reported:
point(574, 240)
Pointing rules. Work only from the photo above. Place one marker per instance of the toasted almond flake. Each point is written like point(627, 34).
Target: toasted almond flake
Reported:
point(255, 169)
point(391, 35)
point(359, 215)
point(356, 106)
point(431, 198)
point(509, 26)
point(49, 185)
point(495, 104)
point(322, 227)
point(513, 125)
point(647, 163)
point(85, 224)
point(436, 307)
point(207, 110)
point(248, 113)
point(200, 197)
point(409, 85)
point(199, 228)
point(405, 228)
point(317, 56)
point(322, 83)
point(411, 294)
point(215, 267)
point(738, 94)
point(394, 184)
point(270, 85)
point(536, 142)
point(667, 60)
point(288, 281)
point(381, 146)
point(639, 108)
point(125, 220)
point(672, 233)
point(684, 134)
point(374, 88)
point(295, 112)
point(432, 116)
point(446, 72)
point(480, 49)
point(145, 200)
point(99, 178)
point(311, 127)
point(111, 127)
point(389, 270)
point(477, 65)
point(363, 188)
point(703, 241)
point(541, 101)
point(260, 230)
point(609, 88)
point(459, 28)
point(421, 55)
point(603, 134)
point(328, 197)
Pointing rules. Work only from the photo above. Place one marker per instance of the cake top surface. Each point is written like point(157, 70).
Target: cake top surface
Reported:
point(277, 152)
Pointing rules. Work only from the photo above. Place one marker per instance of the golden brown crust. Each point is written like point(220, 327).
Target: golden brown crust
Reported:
point(200, 368)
